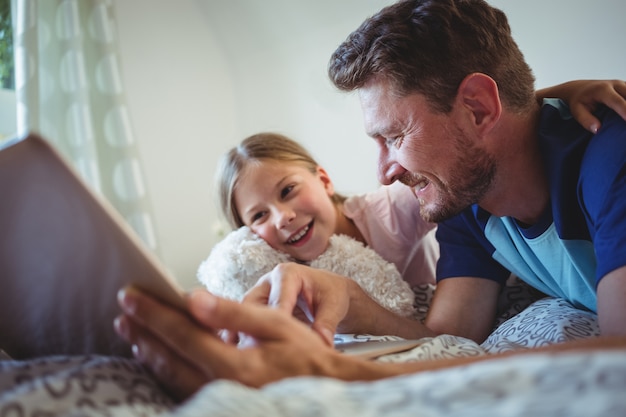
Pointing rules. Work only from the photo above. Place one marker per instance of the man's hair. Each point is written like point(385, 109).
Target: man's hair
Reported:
point(255, 149)
point(429, 47)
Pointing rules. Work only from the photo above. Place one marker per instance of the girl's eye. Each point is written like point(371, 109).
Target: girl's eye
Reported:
point(285, 191)
point(257, 216)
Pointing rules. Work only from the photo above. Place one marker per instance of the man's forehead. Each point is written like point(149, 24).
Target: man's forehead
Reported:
point(372, 98)
point(384, 112)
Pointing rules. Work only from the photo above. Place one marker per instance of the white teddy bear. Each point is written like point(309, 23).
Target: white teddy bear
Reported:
point(241, 258)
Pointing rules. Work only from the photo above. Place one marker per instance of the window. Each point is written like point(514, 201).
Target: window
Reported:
point(7, 78)
point(8, 118)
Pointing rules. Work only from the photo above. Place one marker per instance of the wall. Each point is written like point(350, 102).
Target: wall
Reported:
point(203, 74)
point(8, 114)
point(181, 104)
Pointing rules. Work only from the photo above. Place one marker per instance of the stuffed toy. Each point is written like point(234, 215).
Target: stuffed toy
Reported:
point(241, 258)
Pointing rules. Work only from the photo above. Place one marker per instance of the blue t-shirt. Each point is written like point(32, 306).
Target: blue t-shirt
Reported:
point(580, 237)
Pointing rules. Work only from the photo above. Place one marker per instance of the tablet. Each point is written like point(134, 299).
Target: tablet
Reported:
point(372, 349)
point(64, 254)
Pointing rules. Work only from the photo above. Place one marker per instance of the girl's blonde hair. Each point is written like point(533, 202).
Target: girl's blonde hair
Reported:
point(254, 149)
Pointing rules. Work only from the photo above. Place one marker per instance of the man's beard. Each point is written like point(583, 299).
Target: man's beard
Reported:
point(468, 182)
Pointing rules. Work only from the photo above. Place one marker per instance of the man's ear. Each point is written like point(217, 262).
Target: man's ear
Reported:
point(325, 178)
point(479, 94)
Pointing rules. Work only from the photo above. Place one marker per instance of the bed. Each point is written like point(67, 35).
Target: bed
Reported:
point(570, 384)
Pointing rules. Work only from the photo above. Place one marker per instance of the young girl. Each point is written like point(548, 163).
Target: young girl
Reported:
point(272, 185)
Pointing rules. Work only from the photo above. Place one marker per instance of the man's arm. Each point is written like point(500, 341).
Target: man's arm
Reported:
point(612, 303)
point(464, 307)
point(602, 186)
point(461, 306)
point(184, 352)
point(336, 304)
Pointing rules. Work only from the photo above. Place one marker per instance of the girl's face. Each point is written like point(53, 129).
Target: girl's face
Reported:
point(288, 206)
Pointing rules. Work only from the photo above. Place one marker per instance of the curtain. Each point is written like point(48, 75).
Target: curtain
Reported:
point(69, 89)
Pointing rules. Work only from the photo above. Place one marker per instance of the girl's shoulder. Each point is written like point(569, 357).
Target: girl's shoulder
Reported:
point(393, 208)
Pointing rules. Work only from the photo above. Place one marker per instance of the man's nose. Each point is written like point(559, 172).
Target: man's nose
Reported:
point(389, 170)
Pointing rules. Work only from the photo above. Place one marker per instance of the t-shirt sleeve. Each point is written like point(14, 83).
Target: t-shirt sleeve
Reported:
point(465, 251)
point(602, 190)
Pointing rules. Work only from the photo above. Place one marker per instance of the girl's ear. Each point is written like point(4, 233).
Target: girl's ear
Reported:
point(325, 178)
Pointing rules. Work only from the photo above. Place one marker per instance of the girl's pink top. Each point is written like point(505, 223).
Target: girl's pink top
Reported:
point(390, 222)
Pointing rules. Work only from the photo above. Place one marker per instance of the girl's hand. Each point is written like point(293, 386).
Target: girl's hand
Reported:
point(583, 96)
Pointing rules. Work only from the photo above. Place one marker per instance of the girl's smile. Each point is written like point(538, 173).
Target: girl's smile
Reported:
point(301, 237)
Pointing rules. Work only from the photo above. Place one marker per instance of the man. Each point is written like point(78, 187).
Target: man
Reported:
point(452, 108)
point(449, 100)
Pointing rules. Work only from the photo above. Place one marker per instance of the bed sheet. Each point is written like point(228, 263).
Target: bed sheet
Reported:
point(572, 385)
point(79, 386)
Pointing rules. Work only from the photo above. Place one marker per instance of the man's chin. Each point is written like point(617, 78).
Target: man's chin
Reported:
point(438, 214)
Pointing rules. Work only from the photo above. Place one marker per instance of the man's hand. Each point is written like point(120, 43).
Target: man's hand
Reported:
point(184, 350)
point(332, 303)
point(322, 296)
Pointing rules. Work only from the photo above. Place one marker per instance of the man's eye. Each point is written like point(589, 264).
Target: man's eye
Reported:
point(393, 142)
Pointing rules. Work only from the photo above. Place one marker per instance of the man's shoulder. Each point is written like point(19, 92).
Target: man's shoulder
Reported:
point(560, 132)
point(571, 153)
point(472, 219)
point(603, 164)
point(608, 146)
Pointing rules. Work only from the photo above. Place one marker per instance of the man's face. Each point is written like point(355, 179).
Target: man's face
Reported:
point(437, 155)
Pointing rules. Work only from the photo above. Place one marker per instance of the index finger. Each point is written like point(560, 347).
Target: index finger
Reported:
point(278, 288)
point(255, 320)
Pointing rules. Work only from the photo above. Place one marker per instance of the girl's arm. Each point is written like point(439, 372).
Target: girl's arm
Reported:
point(583, 96)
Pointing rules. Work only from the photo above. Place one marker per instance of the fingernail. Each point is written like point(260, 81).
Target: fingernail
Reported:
point(329, 337)
point(137, 353)
point(127, 301)
point(594, 128)
point(121, 327)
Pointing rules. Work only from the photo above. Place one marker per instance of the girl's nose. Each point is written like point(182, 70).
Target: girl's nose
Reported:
point(285, 216)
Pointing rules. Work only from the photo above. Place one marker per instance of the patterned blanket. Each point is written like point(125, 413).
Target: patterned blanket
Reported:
point(568, 384)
